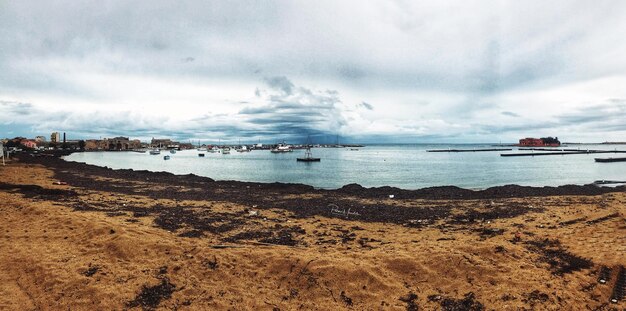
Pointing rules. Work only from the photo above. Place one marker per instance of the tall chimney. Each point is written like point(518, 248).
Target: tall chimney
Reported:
point(64, 137)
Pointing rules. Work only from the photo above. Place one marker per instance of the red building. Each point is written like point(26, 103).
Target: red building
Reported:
point(539, 142)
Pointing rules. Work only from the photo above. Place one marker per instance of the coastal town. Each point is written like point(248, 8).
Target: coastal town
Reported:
point(58, 140)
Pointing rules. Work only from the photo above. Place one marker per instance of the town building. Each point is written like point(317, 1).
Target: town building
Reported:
point(28, 143)
point(121, 143)
point(115, 143)
point(164, 143)
point(55, 137)
point(40, 139)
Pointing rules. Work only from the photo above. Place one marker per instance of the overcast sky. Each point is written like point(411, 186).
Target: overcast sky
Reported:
point(369, 71)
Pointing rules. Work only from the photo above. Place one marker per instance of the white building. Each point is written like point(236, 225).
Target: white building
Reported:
point(55, 137)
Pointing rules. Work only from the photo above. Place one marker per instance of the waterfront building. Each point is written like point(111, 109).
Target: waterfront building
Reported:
point(28, 143)
point(164, 143)
point(55, 137)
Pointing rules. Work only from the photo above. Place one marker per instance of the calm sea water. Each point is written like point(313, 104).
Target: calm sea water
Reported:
point(404, 166)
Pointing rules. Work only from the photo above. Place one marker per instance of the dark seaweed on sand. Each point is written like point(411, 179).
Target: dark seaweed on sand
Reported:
point(554, 254)
point(151, 296)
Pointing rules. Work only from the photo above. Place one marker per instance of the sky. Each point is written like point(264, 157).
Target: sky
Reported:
point(365, 71)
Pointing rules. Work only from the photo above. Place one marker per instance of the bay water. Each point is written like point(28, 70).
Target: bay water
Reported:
point(403, 166)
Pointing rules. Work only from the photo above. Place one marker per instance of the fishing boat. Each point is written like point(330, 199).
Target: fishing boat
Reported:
point(139, 150)
point(607, 160)
point(226, 150)
point(155, 151)
point(201, 155)
point(308, 156)
point(281, 148)
point(213, 149)
point(166, 157)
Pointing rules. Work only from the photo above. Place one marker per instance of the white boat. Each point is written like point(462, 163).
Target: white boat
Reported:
point(214, 149)
point(226, 150)
point(202, 149)
point(172, 151)
point(155, 151)
point(281, 148)
point(243, 149)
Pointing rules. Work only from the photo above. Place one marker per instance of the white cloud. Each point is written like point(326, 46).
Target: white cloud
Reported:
point(456, 70)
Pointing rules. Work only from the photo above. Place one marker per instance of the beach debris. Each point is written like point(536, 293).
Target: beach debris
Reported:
point(192, 234)
point(619, 289)
point(253, 213)
point(59, 183)
point(603, 218)
point(534, 297)
point(604, 275)
point(91, 271)
point(391, 196)
point(151, 296)
point(468, 302)
point(409, 299)
point(224, 246)
point(347, 300)
point(211, 264)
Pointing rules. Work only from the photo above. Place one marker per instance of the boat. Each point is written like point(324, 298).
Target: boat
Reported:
point(172, 151)
point(139, 150)
point(155, 151)
point(308, 157)
point(214, 149)
point(243, 149)
point(226, 150)
point(201, 155)
point(607, 160)
point(166, 157)
point(202, 149)
point(281, 148)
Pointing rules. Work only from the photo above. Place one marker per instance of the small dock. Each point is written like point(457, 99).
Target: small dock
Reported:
point(608, 160)
point(470, 150)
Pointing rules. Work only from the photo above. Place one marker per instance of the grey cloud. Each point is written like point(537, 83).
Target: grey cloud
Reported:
point(366, 106)
point(10, 107)
point(280, 83)
point(510, 114)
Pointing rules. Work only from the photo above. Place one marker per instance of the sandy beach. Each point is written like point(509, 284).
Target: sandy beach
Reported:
point(81, 237)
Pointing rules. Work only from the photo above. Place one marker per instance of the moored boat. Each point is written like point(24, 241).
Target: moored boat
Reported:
point(166, 157)
point(308, 156)
point(155, 151)
point(281, 148)
point(243, 149)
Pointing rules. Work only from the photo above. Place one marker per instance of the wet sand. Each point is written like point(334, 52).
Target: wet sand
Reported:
point(123, 239)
